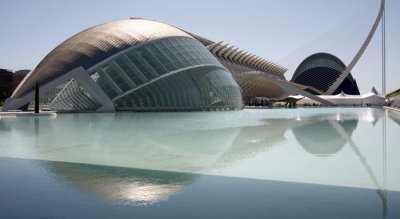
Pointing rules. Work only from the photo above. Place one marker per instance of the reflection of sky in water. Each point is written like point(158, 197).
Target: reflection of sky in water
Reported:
point(328, 146)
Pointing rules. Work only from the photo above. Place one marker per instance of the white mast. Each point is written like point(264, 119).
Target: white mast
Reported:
point(383, 53)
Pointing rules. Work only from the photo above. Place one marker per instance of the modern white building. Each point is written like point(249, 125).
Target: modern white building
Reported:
point(372, 98)
point(144, 65)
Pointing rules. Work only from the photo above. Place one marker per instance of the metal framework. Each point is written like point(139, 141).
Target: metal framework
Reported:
point(245, 59)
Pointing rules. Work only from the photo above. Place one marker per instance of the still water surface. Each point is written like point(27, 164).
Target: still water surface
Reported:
point(298, 163)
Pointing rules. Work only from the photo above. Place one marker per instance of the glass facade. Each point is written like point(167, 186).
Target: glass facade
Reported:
point(203, 88)
point(69, 96)
point(45, 99)
point(169, 74)
point(136, 80)
point(74, 98)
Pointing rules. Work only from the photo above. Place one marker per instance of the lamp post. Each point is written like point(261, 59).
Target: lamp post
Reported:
point(37, 97)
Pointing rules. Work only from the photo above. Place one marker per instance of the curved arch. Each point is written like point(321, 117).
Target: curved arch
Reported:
point(360, 52)
point(314, 60)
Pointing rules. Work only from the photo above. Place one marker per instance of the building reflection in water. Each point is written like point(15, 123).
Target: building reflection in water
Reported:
point(168, 151)
point(315, 134)
point(394, 117)
point(126, 186)
point(319, 137)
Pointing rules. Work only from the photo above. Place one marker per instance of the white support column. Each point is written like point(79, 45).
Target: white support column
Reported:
point(383, 52)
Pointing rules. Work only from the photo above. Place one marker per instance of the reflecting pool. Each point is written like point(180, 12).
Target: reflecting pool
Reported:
point(277, 163)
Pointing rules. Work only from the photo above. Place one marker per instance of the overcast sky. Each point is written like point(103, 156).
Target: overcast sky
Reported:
point(273, 29)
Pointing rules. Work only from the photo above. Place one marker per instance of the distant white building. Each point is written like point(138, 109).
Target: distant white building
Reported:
point(372, 98)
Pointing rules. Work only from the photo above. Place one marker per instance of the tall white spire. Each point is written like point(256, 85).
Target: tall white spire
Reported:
point(383, 52)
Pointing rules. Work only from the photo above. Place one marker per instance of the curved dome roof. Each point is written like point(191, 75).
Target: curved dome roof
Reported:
point(321, 70)
point(318, 60)
point(95, 44)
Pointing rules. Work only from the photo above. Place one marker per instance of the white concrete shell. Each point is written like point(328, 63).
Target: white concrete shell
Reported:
point(93, 45)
